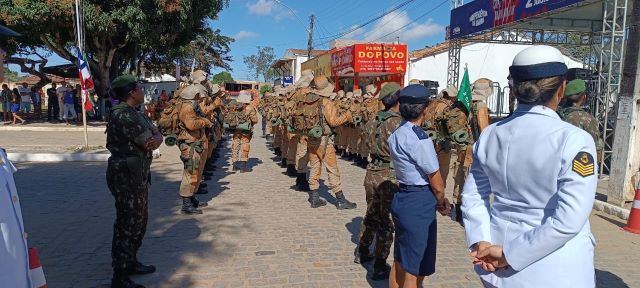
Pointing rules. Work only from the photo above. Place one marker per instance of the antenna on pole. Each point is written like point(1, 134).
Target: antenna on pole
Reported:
point(310, 44)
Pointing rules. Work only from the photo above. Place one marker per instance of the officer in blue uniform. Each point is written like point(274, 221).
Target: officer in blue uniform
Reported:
point(421, 192)
point(540, 171)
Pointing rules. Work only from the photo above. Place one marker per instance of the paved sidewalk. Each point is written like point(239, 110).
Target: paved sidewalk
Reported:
point(257, 232)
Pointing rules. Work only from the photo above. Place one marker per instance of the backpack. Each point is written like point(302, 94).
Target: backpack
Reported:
point(306, 117)
point(370, 107)
point(169, 119)
point(235, 118)
point(356, 109)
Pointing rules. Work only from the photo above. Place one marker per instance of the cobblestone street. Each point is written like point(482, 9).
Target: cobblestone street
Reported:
point(256, 232)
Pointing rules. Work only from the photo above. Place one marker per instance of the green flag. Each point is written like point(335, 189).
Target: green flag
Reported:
point(464, 93)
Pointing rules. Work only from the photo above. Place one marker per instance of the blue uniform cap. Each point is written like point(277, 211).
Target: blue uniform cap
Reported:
point(414, 94)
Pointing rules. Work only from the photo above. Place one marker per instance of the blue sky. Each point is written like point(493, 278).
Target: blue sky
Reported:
point(268, 23)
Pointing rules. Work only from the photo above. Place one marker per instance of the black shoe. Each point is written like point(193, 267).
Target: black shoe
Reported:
point(188, 208)
point(242, 166)
point(304, 183)
point(343, 203)
point(291, 170)
point(141, 269)
point(234, 166)
point(202, 190)
point(314, 199)
point(124, 283)
point(361, 255)
point(198, 204)
point(381, 270)
point(283, 163)
point(298, 179)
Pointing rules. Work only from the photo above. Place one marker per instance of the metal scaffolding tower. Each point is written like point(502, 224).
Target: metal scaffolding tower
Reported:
point(611, 42)
point(453, 69)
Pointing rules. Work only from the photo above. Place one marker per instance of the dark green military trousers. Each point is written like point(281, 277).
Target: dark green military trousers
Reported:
point(131, 201)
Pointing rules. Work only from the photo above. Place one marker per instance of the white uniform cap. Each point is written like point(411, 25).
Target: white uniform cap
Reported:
point(537, 62)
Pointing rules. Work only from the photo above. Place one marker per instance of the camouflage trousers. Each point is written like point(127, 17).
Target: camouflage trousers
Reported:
point(322, 153)
point(463, 162)
point(268, 128)
point(352, 139)
point(131, 201)
point(302, 160)
point(240, 146)
point(340, 137)
point(192, 172)
point(444, 161)
point(284, 142)
point(292, 146)
point(277, 137)
point(379, 185)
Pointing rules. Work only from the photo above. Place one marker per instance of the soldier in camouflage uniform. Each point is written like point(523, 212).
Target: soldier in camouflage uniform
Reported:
point(131, 138)
point(242, 138)
point(380, 184)
point(193, 143)
point(370, 108)
point(573, 113)
point(355, 107)
point(436, 127)
point(464, 131)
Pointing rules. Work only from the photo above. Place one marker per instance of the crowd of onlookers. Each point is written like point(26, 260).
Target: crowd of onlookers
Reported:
point(22, 103)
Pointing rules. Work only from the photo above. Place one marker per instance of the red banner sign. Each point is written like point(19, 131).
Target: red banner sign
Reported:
point(370, 58)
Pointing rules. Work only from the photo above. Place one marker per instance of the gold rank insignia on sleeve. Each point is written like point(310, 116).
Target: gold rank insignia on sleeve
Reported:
point(583, 164)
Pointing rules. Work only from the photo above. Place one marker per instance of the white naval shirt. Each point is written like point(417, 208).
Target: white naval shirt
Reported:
point(542, 175)
point(14, 255)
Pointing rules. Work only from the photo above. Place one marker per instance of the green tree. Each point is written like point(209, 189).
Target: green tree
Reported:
point(265, 89)
point(260, 63)
point(12, 76)
point(120, 35)
point(221, 77)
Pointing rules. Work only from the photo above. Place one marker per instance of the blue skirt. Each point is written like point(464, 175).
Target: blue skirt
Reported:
point(414, 216)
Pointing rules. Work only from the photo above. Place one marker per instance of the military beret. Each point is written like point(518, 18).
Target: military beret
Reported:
point(122, 81)
point(414, 94)
point(388, 89)
point(575, 87)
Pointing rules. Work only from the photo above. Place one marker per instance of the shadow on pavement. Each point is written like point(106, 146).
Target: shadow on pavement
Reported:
point(69, 213)
point(612, 221)
point(606, 279)
point(354, 228)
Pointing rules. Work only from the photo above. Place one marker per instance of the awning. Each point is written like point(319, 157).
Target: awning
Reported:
point(65, 70)
point(8, 32)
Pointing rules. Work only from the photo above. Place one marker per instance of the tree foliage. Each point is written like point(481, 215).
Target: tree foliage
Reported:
point(221, 77)
point(265, 89)
point(12, 76)
point(121, 35)
point(259, 64)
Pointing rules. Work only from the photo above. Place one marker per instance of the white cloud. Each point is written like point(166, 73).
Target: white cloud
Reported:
point(244, 34)
point(261, 7)
point(398, 24)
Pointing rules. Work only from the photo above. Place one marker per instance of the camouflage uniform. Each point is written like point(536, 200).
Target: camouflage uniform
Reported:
point(241, 139)
point(128, 178)
point(380, 184)
point(585, 121)
point(436, 127)
point(192, 143)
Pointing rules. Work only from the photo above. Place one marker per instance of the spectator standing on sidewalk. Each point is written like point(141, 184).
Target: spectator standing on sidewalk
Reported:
point(14, 253)
point(15, 107)
point(69, 111)
point(25, 98)
point(5, 100)
point(36, 101)
point(60, 91)
point(53, 109)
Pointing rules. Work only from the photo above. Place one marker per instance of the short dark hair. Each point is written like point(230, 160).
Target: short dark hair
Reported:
point(390, 100)
point(412, 111)
point(122, 93)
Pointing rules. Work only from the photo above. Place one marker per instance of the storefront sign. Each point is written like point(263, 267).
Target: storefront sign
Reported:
point(287, 80)
point(481, 15)
point(370, 58)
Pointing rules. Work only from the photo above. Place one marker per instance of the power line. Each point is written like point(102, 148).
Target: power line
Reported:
point(412, 22)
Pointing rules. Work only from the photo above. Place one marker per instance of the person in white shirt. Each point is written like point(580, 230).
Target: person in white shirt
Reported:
point(60, 91)
point(14, 253)
point(25, 98)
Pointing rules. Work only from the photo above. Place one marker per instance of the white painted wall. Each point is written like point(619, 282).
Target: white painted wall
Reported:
point(484, 60)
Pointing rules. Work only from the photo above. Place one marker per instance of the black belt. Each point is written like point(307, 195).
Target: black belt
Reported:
point(413, 186)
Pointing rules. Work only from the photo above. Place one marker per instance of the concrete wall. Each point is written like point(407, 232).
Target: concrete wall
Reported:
point(484, 60)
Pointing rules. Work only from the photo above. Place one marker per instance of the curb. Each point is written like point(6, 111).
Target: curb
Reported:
point(611, 209)
point(50, 129)
point(58, 157)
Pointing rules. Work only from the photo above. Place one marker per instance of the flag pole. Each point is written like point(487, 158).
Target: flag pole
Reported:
point(82, 91)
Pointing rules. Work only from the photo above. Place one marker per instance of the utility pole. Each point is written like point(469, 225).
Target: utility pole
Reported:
point(310, 44)
point(625, 161)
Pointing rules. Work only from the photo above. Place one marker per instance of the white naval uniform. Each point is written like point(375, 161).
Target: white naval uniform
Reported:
point(14, 255)
point(541, 206)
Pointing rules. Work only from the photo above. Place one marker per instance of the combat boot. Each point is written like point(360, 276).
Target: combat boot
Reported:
point(202, 190)
point(197, 203)
point(277, 151)
point(304, 183)
point(298, 179)
point(361, 255)
point(234, 166)
point(291, 170)
point(242, 166)
point(121, 280)
point(314, 199)
point(283, 163)
point(188, 207)
point(381, 270)
point(343, 203)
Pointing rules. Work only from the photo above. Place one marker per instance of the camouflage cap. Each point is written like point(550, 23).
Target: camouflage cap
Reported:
point(388, 89)
point(123, 80)
point(575, 87)
point(481, 89)
point(451, 91)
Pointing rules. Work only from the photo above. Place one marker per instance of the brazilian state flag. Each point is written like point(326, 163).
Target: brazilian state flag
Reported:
point(464, 93)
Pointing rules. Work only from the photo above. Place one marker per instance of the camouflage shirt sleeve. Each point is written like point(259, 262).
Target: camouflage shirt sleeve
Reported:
point(133, 127)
